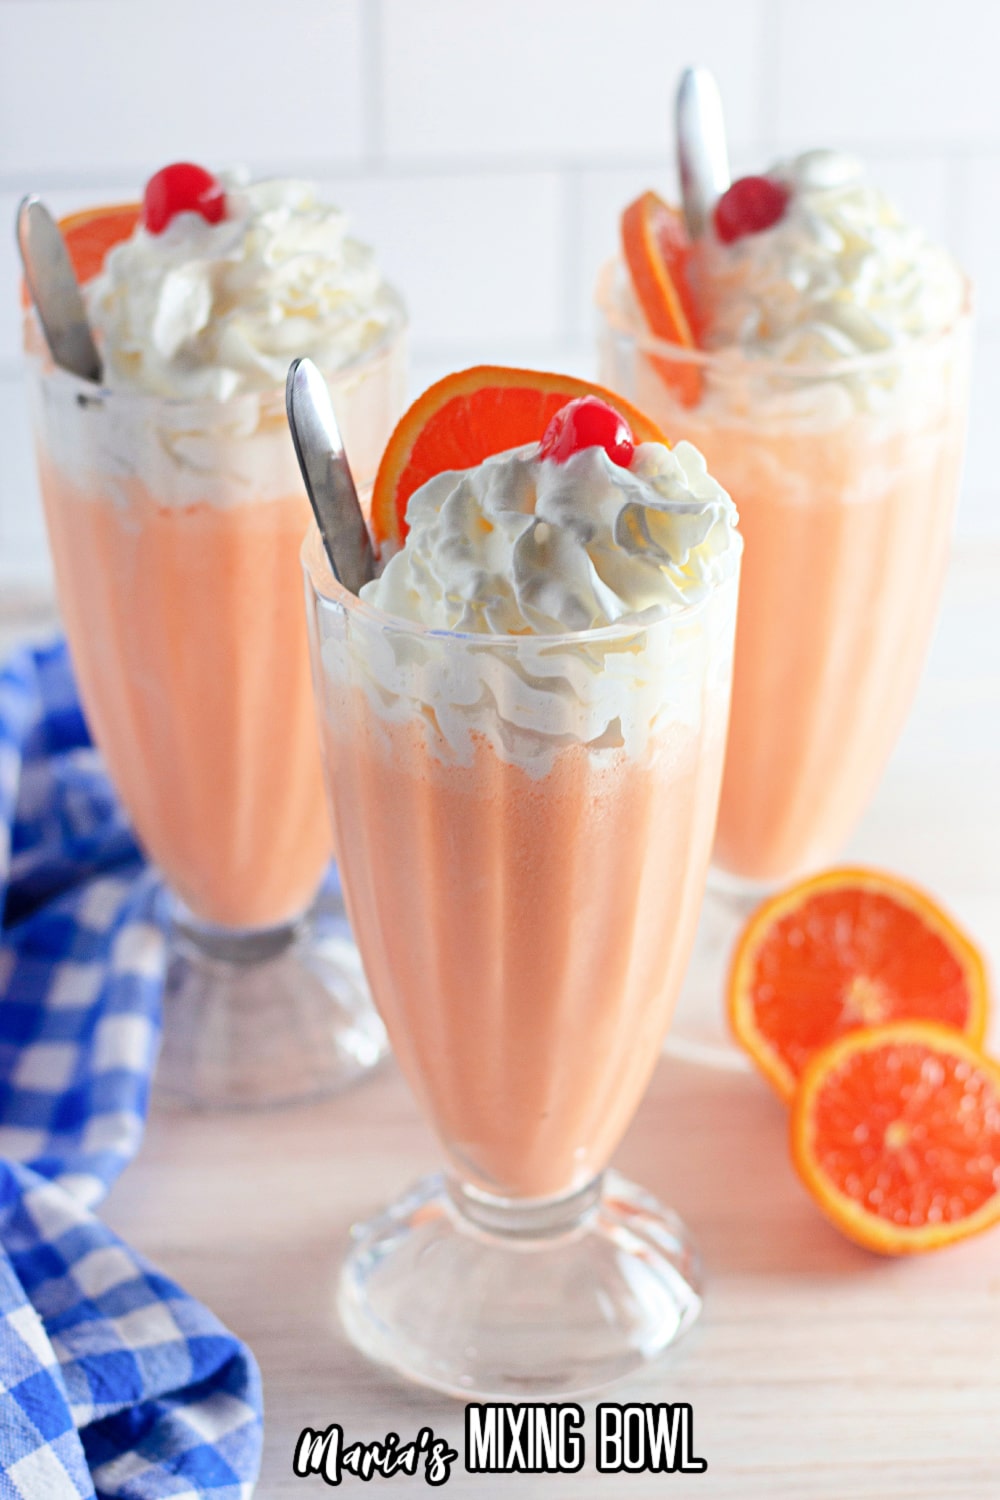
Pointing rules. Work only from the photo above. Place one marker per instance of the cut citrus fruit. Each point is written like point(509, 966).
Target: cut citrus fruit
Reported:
point(469, 416)
point(89, 235)
point(656, 248)
point(896, 1134)
point(847, 949)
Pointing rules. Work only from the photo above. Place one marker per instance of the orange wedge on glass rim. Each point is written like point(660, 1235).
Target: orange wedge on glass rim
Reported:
point(469, 416)
point(656, 247)
point(844, 950)
point(895, 1132)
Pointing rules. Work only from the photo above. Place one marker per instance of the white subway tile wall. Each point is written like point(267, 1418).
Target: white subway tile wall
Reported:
point(486, 147)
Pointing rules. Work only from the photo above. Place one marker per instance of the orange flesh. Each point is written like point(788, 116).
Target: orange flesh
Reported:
point(895, 1132)
point(656, 248)
point(466, 418)
point(928, 1150)
point(846, 958)
point(91, 234)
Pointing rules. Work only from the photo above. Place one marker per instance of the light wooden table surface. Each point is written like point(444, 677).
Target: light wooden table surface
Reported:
point(816, 1372)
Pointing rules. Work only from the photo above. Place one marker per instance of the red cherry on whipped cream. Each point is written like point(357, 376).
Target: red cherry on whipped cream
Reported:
point(748, 206)
point(588, 422)
point(182, 188)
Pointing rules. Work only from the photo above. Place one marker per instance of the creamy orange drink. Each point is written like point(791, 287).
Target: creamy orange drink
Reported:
point(175, 515)
point(819, 359)
point(525, 718)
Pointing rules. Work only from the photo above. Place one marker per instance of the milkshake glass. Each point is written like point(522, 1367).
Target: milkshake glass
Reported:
point(175, 525)
point(846, 473)
point(516, 814)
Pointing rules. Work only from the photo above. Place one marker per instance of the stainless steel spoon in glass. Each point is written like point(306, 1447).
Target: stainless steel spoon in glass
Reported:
point(56, 292)
point(702, 155)
point(327, 475)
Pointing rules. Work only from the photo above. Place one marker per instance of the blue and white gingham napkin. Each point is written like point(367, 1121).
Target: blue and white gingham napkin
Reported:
point(113, 1381)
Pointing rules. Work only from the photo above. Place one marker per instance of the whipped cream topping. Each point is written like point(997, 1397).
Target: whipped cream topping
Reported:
point(218, 310)
point(840, 274)
point(522, 545)
point(526, 563)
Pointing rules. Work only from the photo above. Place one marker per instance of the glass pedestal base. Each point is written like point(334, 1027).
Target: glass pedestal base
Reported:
point(699, 1031)
point(487, 1297)
point(265, 1017)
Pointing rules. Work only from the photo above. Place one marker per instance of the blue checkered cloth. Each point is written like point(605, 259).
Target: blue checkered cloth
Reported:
point(113, 1381)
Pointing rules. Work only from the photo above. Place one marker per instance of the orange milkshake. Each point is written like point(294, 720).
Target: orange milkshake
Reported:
point(525, 718)
point(177, 588)
point(175, 515)
point(526, 977)
point(228, 811)
point(829, 393)
point(847, 519)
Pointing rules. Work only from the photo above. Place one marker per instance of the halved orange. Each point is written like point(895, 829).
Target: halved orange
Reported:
point(656, 247)
point(90, 234)
point(469, 416)
point(895, 1132)
point(843, 950)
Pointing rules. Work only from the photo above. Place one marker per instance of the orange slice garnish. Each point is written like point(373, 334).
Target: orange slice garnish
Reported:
point(656, 247)
point(842, 951)
point(469, 416)
point(895, 1132)
point(90, 234)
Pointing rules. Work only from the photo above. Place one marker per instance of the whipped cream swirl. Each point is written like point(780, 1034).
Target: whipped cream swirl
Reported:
point(215, 310)
point(521, 545)
point(840, 274)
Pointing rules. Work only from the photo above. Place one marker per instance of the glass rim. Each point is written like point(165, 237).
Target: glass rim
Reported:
point(733, 359)
point(332, 593)
point(88, 391)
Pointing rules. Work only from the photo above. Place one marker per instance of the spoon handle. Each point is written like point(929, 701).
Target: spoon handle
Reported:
point(55, 291)
point(702, 155)
point(327, 475)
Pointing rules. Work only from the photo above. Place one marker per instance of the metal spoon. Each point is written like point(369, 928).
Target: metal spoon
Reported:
point(327, 475)
point(55, 291)
point(702, 156)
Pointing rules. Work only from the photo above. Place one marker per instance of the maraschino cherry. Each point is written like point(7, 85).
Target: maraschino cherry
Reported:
point(748, 206)
point(588, 422)
point(182, 188)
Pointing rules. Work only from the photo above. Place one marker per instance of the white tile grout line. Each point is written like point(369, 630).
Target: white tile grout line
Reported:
point(569, 256)
point(381, 167)
point(769, 34)
point(957, 193)
point(373, 83)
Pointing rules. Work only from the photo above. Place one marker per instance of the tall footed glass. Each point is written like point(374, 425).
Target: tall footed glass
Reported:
point(525, 825)
point(175, 528)
point(845, 474)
